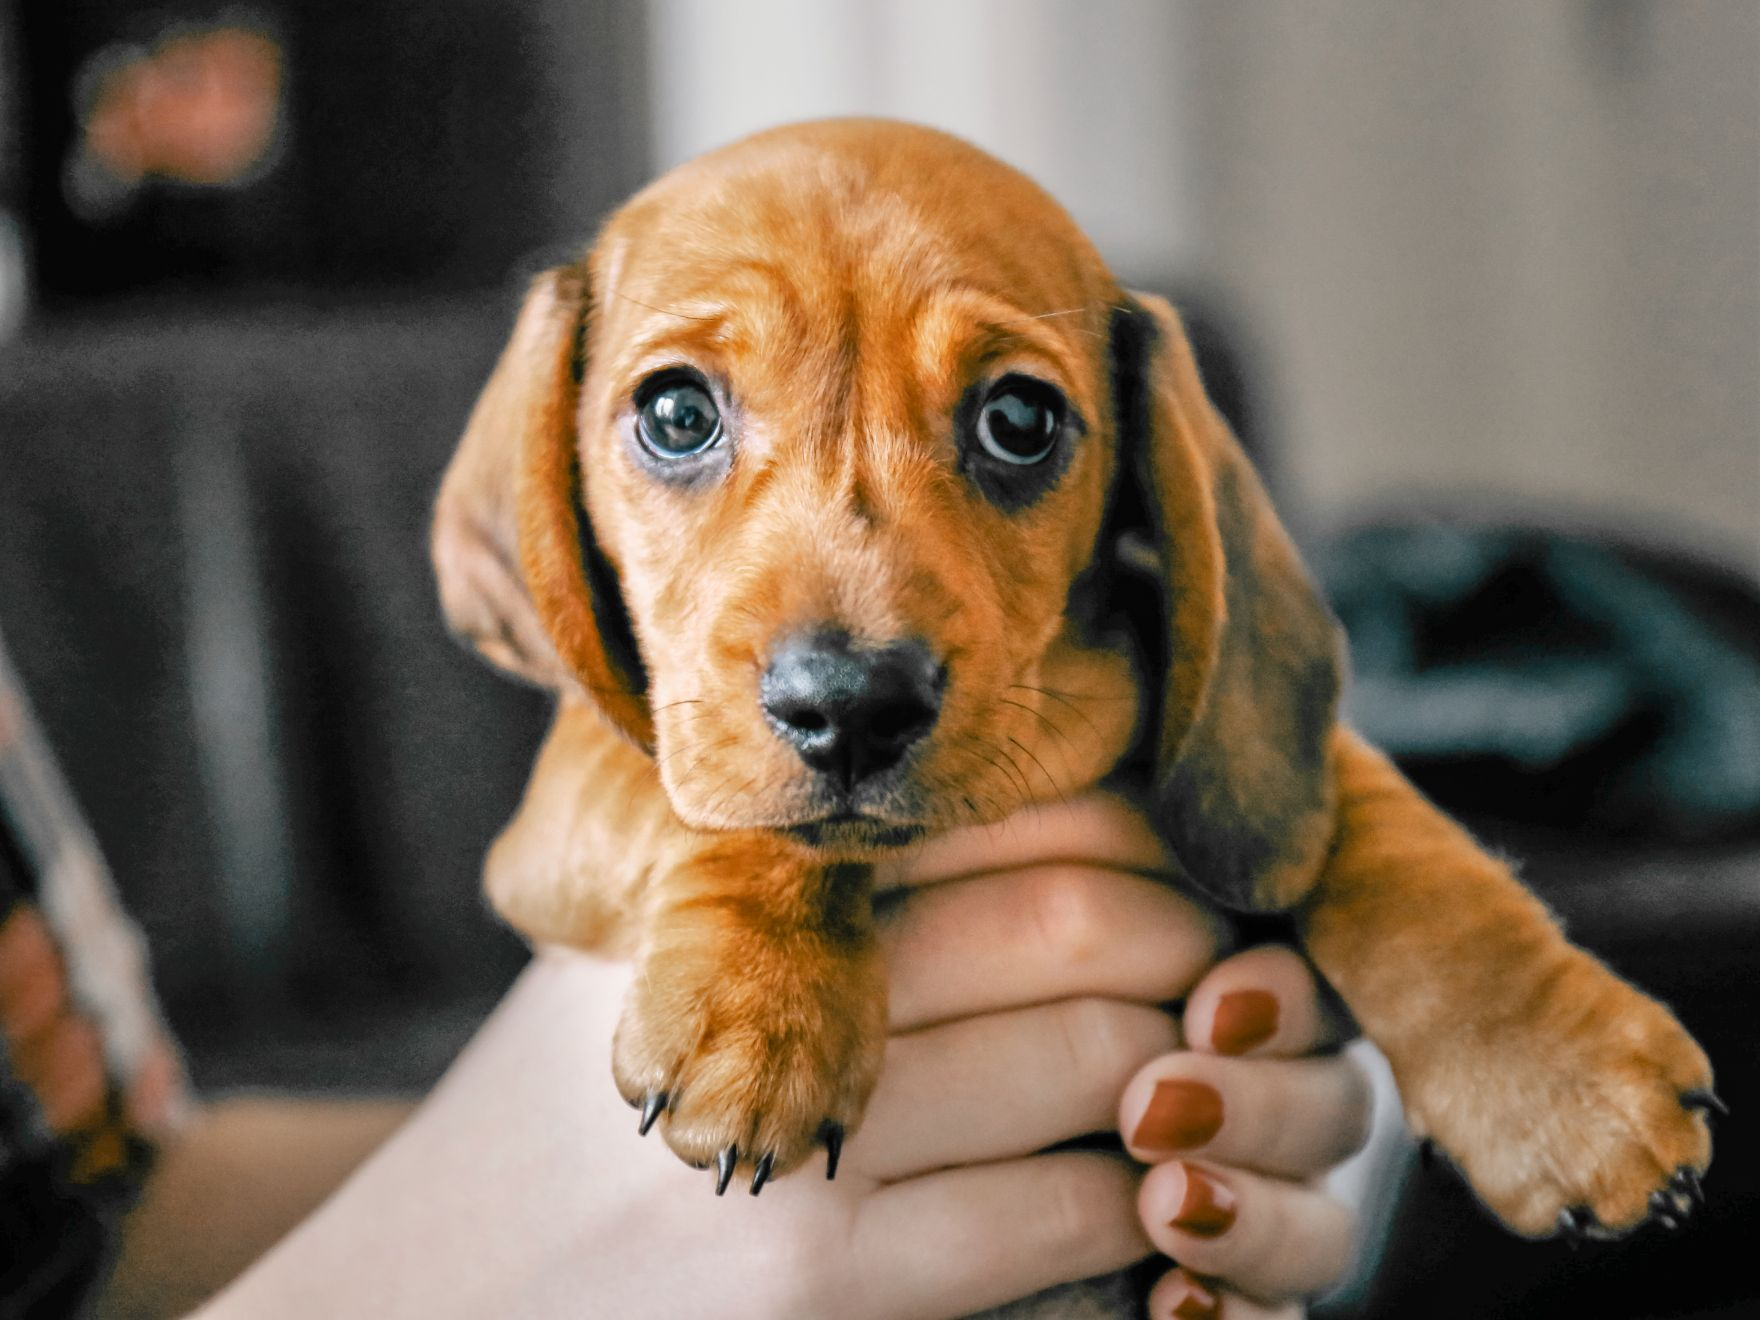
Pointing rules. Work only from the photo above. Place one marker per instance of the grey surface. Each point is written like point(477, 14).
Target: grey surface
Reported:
point(213, 576)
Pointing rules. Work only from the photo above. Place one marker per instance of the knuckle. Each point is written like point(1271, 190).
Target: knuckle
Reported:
point(1357, 1108)
point(1068, 1208)
point(1091, 1036)
point(1068, 920)
point(1104, 1041)
point(1081, 1034)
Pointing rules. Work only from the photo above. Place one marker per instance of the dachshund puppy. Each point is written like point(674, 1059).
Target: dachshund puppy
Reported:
point(844, 497)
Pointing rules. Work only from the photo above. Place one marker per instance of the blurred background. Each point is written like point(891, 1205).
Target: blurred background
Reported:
point(1479, 284)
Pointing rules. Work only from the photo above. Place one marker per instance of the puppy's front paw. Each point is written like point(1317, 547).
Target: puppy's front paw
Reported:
point(753, 1059)
point(1589, 1117)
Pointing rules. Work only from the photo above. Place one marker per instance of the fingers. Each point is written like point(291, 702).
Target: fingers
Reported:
point(1271, 1240)
point(1004, 1085)
point(1183, 1296)
point(961, 1241)
point(1291, 1117)
point(1095, 828)
point(1245, 1100)
point(1263, 1001)
point(1033, 936)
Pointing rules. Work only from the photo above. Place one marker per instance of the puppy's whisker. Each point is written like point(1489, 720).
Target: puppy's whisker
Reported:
point(1009, 768)
point(716, 804)
point(1062, 700)
point(707, 752)
point(681, 750)
point(693, 715)
point(992, 809)
point(985, 751)
point(1056, 787)
point(664, 311)
point(717, 797)
point(1039, 715)
point(1077, 696)
point(1065, 311)
point(973, 748)
point(1026, 784)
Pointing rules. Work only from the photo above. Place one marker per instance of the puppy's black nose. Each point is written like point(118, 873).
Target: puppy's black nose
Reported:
point(850, 711)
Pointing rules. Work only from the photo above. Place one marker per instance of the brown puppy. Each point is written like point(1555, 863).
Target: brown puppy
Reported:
point(844, 497)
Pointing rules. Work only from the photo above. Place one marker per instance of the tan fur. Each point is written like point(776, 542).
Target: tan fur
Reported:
point(1550, 1080)
point(845, 283)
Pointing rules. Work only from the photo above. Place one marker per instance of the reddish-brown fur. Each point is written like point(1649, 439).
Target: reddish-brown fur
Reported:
point(846, 282)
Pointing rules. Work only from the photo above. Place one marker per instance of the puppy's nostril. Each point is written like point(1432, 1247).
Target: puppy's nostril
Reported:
point(900, 721)
point(807, 721)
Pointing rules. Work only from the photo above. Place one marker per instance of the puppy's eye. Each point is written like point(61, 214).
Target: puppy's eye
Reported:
point(1019, 421)
point(678, 419)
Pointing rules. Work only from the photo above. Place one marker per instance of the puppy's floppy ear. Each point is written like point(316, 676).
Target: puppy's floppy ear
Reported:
point(521, 577)
point(1244, 785)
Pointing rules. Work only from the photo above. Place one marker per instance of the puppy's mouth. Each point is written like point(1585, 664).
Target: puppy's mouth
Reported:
point(853, 830)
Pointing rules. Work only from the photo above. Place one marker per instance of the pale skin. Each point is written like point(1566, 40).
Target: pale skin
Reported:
point(1028, 963)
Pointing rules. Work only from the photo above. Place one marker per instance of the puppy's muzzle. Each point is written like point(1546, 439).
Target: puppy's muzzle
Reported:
point(851, 712)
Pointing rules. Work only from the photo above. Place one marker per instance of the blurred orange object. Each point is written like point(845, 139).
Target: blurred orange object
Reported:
point(201, 108)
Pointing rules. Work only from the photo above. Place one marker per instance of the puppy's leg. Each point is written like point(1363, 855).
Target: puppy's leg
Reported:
point(1569, 1100)
point(758, 1016)
point(574, 864)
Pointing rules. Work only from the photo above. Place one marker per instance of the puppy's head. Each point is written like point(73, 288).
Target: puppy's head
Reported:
point(812, 475)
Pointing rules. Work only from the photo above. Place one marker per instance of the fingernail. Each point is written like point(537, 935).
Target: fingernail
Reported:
point(1196, 1303)
point(1208, 1208)
point(1244, 1018)
point(1181, 1115)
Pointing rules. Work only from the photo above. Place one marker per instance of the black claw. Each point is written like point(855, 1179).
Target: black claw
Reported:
point(1707, 1102)
point(1686, 1183)
point(1664, 1211)
point(724, 1163)
point(761, 1174)
point(651, 1109)
point(1574, 1224)
point(832, 1135)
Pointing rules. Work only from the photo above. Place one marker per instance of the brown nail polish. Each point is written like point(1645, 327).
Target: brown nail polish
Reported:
point(1181, 1115)
point(1244, 1018)
point(1196, 1303)
point(1208, 1208)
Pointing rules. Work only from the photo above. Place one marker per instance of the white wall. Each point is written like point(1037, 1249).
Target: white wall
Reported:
point(1510, 246)
point(1069, 90)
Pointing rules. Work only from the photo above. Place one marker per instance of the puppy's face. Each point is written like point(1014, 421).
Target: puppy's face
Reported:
point(846, 438)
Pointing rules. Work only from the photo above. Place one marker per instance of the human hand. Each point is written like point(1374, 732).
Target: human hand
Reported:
point(1022, 1004)
point(1236, 1121)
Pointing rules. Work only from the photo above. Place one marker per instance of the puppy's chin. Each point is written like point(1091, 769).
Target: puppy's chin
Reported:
point(857, 838)
point(873, 822)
